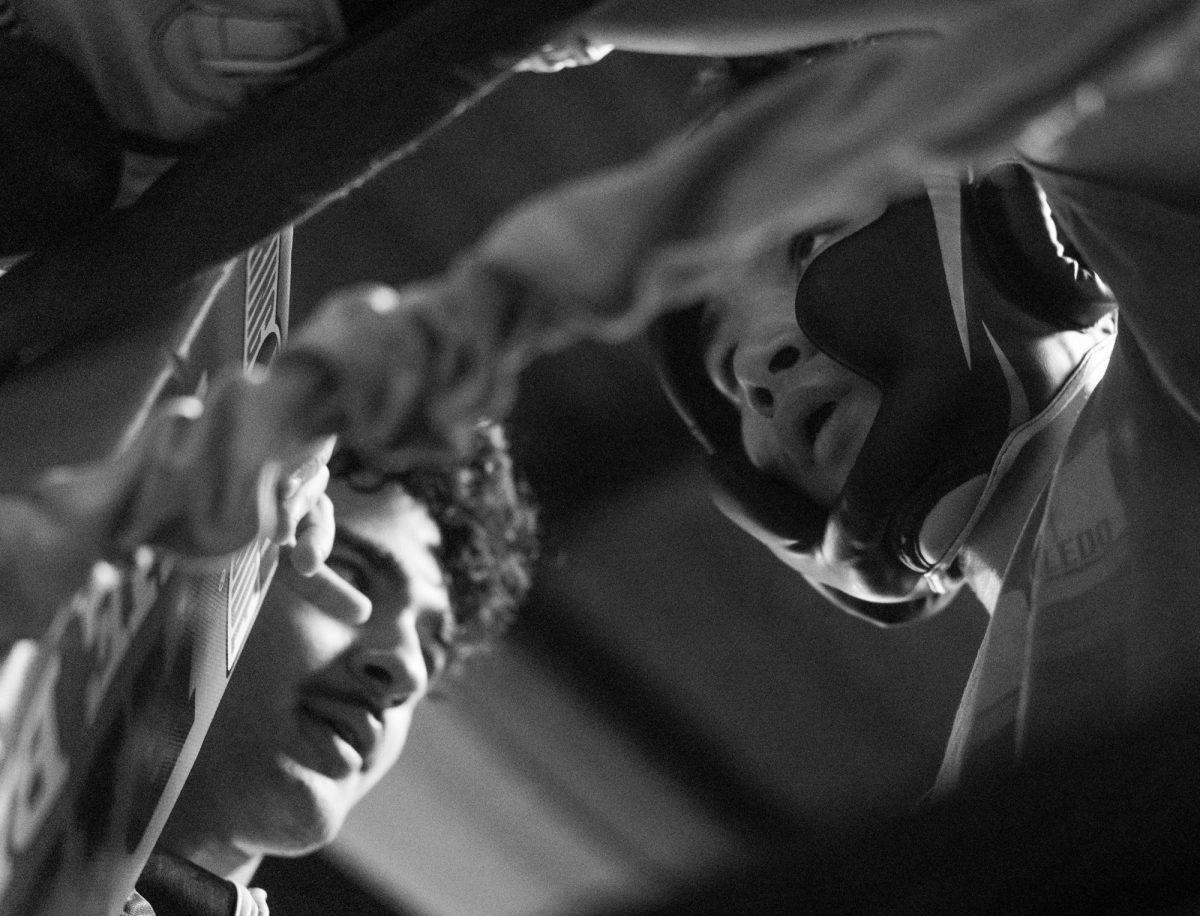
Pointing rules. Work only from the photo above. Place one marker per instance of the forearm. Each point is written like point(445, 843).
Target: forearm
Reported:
point(603, 257)
point(724, 28)
point(401, 376)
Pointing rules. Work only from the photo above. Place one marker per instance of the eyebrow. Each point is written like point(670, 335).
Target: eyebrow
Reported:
point(379, 558)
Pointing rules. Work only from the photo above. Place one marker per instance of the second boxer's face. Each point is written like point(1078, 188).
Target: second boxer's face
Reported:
point(319, 705)
point(804, 415)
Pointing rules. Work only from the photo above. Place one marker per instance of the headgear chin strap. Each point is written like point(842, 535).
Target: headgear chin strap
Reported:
point(969, 368)
point(921, 596)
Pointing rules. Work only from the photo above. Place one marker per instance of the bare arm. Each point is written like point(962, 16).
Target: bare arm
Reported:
point(1147, 141)
point(397, 375)
point(728, 28)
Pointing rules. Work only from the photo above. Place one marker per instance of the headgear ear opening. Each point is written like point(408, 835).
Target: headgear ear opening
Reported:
point(1009, 219)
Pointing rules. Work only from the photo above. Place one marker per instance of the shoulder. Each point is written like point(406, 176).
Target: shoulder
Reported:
point(1141, 245)
point(1144, 248)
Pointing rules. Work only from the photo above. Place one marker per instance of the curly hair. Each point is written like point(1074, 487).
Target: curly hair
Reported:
point(488, 524)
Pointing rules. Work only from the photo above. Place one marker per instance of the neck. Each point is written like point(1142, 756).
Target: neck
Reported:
point(223, 858)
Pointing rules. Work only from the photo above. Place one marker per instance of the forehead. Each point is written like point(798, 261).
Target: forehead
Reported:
point(392, 521)
point(761, 291)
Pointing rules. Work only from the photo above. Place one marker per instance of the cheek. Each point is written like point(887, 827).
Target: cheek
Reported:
point(290, 641)
point(298, 633)
point(790, 462)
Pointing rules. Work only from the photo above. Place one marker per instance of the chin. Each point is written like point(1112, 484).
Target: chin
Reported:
point(295, 845)
point(309, 813)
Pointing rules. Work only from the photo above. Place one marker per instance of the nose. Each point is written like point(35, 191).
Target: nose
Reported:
point(763, 366)
point(387, 660)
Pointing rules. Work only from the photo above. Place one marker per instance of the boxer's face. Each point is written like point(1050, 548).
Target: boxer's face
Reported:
point(319, 706)
point(804, 415)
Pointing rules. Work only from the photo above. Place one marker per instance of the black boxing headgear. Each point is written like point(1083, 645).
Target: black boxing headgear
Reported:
point(960, 288)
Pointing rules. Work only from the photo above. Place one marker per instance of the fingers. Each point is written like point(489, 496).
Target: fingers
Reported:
point(315, 458)
point(296, 496)
point(260, 900)
point(314, 537)
point(330, 592)
point(305, 519)
point(324, 450)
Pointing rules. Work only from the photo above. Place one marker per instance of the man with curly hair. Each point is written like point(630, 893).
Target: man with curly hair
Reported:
point(427, 565)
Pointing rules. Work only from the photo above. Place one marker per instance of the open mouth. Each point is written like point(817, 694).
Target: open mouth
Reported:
point(344, 724)
point(341, 731)
point(815, 421)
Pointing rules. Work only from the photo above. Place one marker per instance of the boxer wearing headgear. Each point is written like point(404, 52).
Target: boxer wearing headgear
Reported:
point(861, 428)
point(961, 426)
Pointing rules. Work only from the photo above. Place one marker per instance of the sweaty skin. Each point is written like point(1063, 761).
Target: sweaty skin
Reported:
point(721, 28)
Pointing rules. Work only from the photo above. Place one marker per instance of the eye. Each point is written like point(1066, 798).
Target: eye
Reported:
point(352, 570)
point(807, 245)
point(800, 250)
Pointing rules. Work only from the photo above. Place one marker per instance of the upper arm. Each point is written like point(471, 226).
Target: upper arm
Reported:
point(724, 28)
